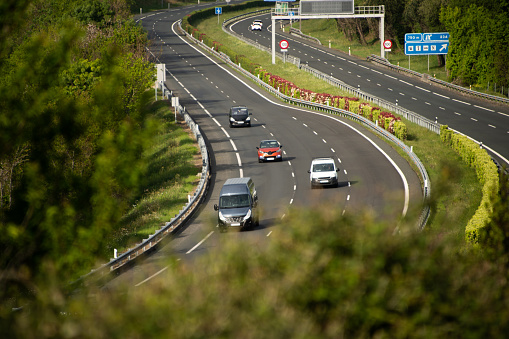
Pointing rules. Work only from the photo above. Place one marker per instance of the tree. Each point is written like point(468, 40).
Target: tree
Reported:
point(72, 143)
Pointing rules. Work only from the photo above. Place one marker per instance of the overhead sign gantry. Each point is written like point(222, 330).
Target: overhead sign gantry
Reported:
point(325, 9)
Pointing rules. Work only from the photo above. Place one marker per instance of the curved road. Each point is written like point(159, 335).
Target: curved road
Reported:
point(482, 120)
point(373, 175)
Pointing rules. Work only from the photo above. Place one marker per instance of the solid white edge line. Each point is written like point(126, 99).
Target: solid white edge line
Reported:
point(233, 145)
point(484, 146)
point(225, 133)
point(201, 242)
point(152, 276)
point(239, 162)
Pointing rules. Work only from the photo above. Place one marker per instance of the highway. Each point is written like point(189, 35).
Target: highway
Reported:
point(373, 175)
point(485, 121)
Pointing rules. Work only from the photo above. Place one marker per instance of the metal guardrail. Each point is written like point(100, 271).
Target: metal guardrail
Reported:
point(297, 32)
point(175, 223)
point(337, 111)
point(386, 63)
point(407, 114)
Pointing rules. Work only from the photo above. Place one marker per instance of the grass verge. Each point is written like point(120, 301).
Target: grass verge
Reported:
point(174, 163)
point(456, 192)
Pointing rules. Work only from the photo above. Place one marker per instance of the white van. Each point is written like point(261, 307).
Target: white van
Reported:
point(323, 172)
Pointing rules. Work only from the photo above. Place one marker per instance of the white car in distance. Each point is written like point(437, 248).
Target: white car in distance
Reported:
point(256, 25)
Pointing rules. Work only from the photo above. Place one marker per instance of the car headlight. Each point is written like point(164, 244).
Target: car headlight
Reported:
point(248, 215)
point(221, 216)
point(231, 119)
point(248, 119)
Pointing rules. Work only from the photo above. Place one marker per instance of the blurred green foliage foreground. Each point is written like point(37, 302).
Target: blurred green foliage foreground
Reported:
point(73, 127)
point(320, 275)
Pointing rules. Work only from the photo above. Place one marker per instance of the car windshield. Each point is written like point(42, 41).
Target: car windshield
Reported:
point(239, 111)
point(323, 167)
point(234, 201)
point(269, 144)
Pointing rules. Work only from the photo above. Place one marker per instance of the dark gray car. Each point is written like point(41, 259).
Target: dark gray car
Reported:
point(239, 116)
point(238, 204)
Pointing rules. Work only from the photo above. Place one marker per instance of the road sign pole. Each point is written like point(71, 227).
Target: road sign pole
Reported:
point(273, 40)
point(382, 36)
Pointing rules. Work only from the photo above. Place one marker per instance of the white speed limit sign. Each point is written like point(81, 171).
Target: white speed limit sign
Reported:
point(283, 44)
point(387, 44)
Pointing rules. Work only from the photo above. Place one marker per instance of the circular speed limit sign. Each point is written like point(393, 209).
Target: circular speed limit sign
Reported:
point(283, 44)
point(387, 44)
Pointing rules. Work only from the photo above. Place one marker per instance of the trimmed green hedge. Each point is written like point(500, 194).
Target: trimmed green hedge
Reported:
point(487, 173)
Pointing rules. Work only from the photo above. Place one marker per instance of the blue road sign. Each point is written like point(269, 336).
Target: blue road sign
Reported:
point(426, 37)
point(435, 37)
point(426, 43)
point(425, 48)
point(219, 10)
point(411, 37)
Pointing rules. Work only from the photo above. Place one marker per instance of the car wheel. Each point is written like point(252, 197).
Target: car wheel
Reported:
point(260, 160)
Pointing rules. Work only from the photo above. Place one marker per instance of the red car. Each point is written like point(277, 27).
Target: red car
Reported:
point(270, 150)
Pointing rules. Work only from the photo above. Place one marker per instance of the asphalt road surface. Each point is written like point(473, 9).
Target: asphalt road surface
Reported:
point(372, 174)
point(485, 121)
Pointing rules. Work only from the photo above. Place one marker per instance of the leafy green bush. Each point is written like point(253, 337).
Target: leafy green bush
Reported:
point(400, 130)
point(487, 174)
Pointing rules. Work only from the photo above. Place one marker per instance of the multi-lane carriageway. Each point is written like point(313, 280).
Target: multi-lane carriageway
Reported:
point(372, 174)
point(485, 121)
